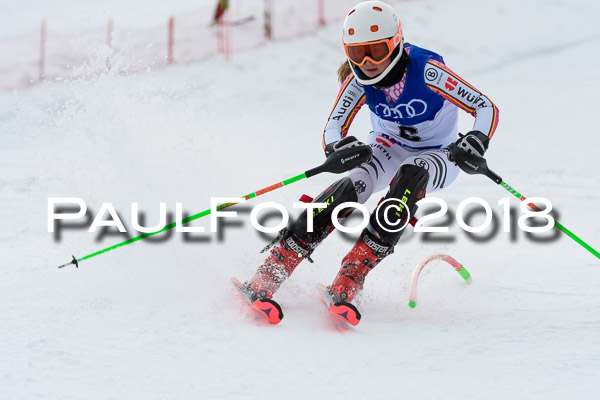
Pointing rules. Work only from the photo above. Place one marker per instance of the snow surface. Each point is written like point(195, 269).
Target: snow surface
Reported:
point(159, 320)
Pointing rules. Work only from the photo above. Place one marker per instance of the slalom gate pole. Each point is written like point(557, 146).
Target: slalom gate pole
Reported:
point(462, 271)
point(484, 170)
point(338, 162)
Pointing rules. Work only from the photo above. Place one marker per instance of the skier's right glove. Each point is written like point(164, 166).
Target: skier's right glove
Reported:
point(345, 143)
point(346, 154)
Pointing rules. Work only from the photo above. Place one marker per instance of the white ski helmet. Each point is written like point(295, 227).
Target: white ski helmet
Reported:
point(372, 31)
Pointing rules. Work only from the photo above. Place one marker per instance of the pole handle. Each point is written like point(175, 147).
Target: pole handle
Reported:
point(492, 175)
point(343, 160)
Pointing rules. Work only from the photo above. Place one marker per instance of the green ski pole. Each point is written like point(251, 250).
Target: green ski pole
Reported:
point(483, 169)
point(194, 217)
point(338, 162)
point(556, 223)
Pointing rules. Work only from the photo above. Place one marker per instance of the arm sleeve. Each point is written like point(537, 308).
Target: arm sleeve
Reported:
point(349, 100)
point(446, 83)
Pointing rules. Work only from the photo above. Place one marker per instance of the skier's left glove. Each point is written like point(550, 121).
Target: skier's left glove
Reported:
point(467, 152)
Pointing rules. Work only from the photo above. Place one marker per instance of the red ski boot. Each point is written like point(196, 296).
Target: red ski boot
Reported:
point(367, 252)
point(279, 265)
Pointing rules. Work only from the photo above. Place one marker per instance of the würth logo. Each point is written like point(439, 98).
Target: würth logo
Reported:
point(451, 84)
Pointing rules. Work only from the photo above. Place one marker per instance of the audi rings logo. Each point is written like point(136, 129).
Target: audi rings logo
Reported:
point(414, 108)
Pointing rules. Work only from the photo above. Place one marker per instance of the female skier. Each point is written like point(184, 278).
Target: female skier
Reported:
point(413, 99)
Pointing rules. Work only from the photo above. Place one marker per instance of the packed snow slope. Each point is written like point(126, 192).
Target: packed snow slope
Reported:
point(158, 319)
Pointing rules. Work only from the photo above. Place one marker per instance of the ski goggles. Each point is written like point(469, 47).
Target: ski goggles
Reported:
point(376, 52)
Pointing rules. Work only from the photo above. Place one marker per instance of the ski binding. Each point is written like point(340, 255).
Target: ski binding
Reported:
point(342, 309)
point(268, 308)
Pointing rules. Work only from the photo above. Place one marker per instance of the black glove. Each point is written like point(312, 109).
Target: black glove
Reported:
point(345, 143)
point(467, 152)
point(343, 155)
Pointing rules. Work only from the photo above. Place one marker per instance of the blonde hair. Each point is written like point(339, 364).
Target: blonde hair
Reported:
point(343, 71)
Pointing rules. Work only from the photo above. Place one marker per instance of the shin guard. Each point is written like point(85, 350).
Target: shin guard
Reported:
point(340, 192)
point(406, 189)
